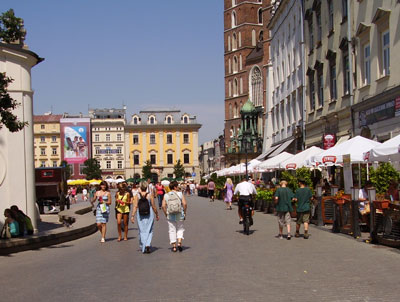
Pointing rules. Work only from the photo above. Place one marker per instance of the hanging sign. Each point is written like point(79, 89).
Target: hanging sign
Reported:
point(329, 141)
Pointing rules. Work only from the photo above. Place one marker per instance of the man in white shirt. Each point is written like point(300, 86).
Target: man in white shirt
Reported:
point(245, 190)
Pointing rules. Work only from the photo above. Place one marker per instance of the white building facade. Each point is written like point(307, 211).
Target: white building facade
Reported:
point(285, 79)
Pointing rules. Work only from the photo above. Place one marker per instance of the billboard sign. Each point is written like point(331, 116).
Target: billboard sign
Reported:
point(75, 138)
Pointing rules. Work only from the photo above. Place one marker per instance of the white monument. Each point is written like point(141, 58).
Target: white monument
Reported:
point(17, 172)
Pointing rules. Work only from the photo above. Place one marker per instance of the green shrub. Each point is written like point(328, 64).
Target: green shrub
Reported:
point(382, 176)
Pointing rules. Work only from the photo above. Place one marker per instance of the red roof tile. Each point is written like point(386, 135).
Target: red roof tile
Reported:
point(47, 118)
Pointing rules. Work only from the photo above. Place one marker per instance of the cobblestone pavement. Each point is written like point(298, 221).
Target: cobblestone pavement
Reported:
point(219, 263)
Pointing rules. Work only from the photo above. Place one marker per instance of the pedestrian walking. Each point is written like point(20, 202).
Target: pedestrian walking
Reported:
point(211, 188)
point(192, 187)
point(303, 196)
point(84, 194)
point(228, 188)
point(145, 210)
point(73, 195)
point(103, 197)
point(122, 207)
point(174, 207)
point(160, 194)
point(283, 202)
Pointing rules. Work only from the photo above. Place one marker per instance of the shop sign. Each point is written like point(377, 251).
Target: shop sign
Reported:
point(380, 112)
point(329, 159)
point(329, 141)
point(291, 166)
point(397, 107)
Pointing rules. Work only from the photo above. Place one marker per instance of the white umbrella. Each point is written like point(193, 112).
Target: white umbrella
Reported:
point(252, 165)
point(388, 151)
point(165, 182)
point(273, 163)
point(119, 180)
point(355, 147)
point(300, 159)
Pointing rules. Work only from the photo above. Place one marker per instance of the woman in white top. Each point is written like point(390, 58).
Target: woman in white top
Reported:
point(175, 220)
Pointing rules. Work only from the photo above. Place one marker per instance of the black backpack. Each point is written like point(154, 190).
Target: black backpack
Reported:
point(143, 205)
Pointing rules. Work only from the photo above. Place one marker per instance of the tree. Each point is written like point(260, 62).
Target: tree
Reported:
point(92, 169)
point(65, 164)
point(179, 170)
point(11, 27)
point(146, 170)
point(7, 104)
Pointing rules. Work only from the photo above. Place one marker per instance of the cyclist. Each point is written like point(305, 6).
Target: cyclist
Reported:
point(245, 190)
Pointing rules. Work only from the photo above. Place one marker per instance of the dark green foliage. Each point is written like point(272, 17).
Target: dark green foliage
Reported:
point(292, 178)
point(92, 169)
point(7, 104)
point(179, 170)
point(146, 170)
point(11, 27)
point(382, 176)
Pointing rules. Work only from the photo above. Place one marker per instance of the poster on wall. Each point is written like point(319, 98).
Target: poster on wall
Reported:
point(75, 137)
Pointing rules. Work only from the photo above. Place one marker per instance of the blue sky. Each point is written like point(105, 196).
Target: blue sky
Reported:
point(165, 53)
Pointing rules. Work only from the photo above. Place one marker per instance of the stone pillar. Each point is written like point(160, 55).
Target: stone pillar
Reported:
point(178, 145)
point(161, 148)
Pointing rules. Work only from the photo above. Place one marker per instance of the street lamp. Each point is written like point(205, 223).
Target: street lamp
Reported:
point(319, 196)
point(247, 143)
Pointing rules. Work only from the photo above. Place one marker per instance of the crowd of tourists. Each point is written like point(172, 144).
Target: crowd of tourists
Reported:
point(142, 203)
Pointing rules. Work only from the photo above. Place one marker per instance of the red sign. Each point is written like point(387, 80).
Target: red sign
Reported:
point(366, 155)
point(291, 166)
point(329, 159)
point(329, 141)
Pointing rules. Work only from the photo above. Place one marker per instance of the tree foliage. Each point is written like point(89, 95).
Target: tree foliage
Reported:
point(11, 27)
point(92, 169)
point(7, 105)
point(382, 176)
point(146, 170)
point(179, 170)
point(293, 178)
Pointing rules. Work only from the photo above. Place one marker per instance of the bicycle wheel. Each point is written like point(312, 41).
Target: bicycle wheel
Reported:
point(246, 226)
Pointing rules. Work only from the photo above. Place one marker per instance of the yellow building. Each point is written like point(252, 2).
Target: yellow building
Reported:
point(163, 137)
point(47, 142)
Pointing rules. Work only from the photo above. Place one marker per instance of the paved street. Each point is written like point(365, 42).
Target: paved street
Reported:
point(219, 263)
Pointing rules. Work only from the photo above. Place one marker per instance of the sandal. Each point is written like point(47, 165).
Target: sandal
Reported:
point(174, 249)
point(180, 248)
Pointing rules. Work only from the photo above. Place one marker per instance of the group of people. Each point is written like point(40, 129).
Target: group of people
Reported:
point(283, 199)
point(16, 223)
point(139, 203)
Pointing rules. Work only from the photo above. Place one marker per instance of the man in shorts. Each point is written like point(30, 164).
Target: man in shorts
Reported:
point(303, 197)
point(211, 188)
point(283, 202)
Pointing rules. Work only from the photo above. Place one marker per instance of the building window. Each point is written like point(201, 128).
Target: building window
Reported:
point(234, 41)
point(312, 92)
point(241, 85)
point(43, 164)
point(234, 21)
point(136, 139)
point(235, 87)
point(41, 126)
point(240, 62)
point(108, 150)
point(346, 74)
point(367, 65)
point(135, 120)
point(152, 120)
point(108, 137)
point(319, 24)
point(108, 164)
point(119, 164)
point(97, 150)
point(230, 88)
point(256, 89)
point(332, 78)
point(170, 159)
point(96, 137)
point(119, 150)
point(136, 159)
point(185, 120)
point(55, 164)
point(253, 37)
point(119, 137)
point(320, 88)
point(169, 120)
point(42, 151)
point(311, 33)
point(240, 39)
point(81, 167)
point(344, 10)
point(54, 151)
point(54, 138)
point(331, 15)
point(42, 139)
point(229, 43)
point(385, 53)
point(186, 138)
point(260, 18)
point(186, 158)
point(169, 138)
point(235, 64)
point(153, 159)
point(152, 139)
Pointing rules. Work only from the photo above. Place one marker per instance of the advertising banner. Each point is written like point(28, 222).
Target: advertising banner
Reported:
point(75, 139)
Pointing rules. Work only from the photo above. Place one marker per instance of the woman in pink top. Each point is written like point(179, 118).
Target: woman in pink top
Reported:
point(160, 193)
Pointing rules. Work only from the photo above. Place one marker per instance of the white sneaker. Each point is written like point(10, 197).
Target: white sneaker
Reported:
point(102, 240)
